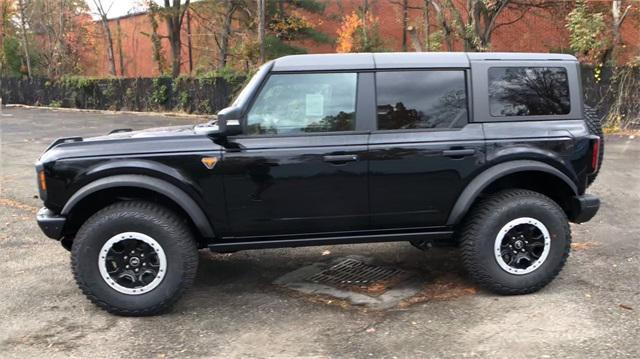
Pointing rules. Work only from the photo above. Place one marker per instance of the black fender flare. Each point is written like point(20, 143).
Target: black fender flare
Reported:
point(180, 197)
point(484, 179)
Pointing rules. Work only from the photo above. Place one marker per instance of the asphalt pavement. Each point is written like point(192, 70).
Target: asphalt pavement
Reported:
point(235, 311)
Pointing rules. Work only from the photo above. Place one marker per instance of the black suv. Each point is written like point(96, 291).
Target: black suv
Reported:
point(489, 151)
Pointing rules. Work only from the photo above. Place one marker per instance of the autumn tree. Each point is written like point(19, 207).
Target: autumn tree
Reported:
point(347, 31)
point(63, 31)
point(173, 13)
point(104, 21)
point(475, 22)
point(359, 32)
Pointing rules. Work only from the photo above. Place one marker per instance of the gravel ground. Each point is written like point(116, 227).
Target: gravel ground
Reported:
point(591, 310)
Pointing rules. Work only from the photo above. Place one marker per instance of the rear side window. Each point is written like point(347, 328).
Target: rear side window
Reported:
point(421, 99)
point(528, 91)
point(299, 103)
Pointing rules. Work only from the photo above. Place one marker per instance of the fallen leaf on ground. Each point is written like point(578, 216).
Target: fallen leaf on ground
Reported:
point(444, 288)
point(6, 202)
point(577, 246)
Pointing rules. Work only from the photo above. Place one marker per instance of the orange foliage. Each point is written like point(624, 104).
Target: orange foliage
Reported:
point(347, 29)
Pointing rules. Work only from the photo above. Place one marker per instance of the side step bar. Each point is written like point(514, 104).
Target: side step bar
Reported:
point(239, 244)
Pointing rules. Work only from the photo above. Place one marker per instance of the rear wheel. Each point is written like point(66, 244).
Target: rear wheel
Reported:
point(515, 242)
point(134, 258)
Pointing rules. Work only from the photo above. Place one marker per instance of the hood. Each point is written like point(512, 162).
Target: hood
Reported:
point(125, 142)
point(184, 130)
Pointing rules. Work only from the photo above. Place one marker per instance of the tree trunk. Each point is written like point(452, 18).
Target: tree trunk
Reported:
point(175, 41)
point(156, 43)
point(104, 21)
point(261, 29)
point(405, 20)
point(417, 46)
point(444, 23)
point(427, 24)
point(110, 56)
point(119, 44)
point(226, 32)
point(618, 16)
point(25, 42)
point(189, 44)
point(174, 16)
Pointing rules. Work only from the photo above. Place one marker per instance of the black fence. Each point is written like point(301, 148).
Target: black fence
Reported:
point(192, 95)
point(602, 90)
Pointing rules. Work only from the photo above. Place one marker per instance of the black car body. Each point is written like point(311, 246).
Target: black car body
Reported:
point(390, 147)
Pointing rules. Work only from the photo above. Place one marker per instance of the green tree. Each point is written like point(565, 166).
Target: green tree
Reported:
point(7, 31)
point(11, 56)
point(586, 31)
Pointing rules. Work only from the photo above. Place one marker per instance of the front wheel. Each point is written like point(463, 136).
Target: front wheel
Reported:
point(134, 258)
point(515, 242)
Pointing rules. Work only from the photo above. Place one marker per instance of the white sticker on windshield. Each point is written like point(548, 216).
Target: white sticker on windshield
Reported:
point(315, 104)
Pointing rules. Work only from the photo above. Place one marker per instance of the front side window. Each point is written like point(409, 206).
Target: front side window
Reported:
point(528, 91)
point(300, 103)
point(421, 99)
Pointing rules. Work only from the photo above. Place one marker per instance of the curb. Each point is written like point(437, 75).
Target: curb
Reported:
point(109, 112)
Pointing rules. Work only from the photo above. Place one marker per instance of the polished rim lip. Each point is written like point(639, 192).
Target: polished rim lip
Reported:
point(507, 227)
point(102, 257)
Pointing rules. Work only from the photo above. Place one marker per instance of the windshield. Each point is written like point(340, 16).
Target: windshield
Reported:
point(248, 89)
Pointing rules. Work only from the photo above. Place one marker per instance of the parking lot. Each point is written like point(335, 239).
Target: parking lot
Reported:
point(235, 311)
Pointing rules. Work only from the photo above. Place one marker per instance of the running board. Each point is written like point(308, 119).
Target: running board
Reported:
point(319, 241)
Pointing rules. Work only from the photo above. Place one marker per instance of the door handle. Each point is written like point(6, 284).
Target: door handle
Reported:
point(340, 158)
point(459, 153)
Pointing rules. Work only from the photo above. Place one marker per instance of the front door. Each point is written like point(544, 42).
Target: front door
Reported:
point(423, 151)
point(300, 167)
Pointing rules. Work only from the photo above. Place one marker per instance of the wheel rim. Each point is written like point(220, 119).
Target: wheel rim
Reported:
point(132, 263)
point(522, 245)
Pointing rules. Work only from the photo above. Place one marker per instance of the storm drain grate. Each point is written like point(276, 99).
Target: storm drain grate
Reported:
point(354, 272)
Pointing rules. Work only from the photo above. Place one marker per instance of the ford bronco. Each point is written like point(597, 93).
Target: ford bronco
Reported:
point(492, 152)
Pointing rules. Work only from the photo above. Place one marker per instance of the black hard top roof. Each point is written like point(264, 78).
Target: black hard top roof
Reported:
point(386, 60)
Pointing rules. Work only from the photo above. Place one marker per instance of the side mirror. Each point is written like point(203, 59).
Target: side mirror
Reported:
point(229, 121)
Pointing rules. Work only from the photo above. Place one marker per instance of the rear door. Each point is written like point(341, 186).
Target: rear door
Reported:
point(300, 167)
point(424, 149)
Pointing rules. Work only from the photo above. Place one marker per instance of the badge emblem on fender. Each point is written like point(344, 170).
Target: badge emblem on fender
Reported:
point(209, 162)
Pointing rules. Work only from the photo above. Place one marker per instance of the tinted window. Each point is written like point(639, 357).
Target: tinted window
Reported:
point(528, 91)
point(421, 99)
point(297, 103)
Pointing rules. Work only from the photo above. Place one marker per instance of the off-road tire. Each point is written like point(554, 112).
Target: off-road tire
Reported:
point(478, 236)
point(594, 124)
point(165, 227)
